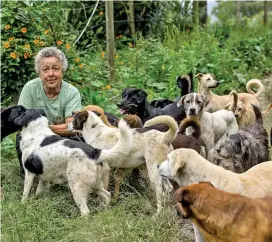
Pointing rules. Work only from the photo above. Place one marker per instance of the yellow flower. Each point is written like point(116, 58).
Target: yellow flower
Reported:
point(11, 39)
point(6, 45)
point(36, 41)
point(80, 66)
point(46, 31)
point(42, 43)
point(25, 55)
point(162, 67)
point(130, 45)
point(59, 42)
point(24, 30)
point(116, 56)
point(7, 26)
point(102, 54)
point(27, 46)
point(12, 55)
point(77, 60)
point(93, 68)
point(68, 46)
point(122, 62)
point(101, 13)
point(108, 86)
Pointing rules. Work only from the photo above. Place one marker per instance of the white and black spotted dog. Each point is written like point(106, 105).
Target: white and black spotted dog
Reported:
point(54, 159)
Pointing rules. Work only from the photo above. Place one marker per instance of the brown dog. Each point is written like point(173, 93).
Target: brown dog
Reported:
point(244, 114)
point(225, 217)
point(216, 102)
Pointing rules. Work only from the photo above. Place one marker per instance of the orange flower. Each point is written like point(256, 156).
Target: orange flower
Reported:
point(11, 39)
point(120, 36)
point(28, 54)
point(68, 46)
point(77, 60)
point(36, 41)
point(46, 31)
point(116, 56)
point(102, 54)
point(80, 66)
point(7, 26)
point(6, 45)
point(25, 55)
point(108, 86)
point(27, 46)
point(101, 13)
point(59, 42)
point(42, 43)
point(12, 55)
point(24, 30)
point(130, 45)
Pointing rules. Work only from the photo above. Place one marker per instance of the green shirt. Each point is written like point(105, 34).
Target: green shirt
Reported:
point(56, 109)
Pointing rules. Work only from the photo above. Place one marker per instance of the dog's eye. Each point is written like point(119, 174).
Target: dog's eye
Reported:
point(187, 101)
point(198, 101)
point(208, 79)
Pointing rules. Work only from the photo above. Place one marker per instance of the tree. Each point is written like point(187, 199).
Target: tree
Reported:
point(196, 13)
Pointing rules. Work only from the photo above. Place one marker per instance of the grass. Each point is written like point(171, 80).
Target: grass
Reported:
point(54, 216)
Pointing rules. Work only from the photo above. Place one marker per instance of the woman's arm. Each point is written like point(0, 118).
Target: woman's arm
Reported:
point(61, 129)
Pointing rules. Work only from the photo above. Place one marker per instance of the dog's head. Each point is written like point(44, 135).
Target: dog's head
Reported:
point(193, 104)
point(185, 83)
point(81, 117)
point(207, 80)
point(8, 115)
point(29, 116)
point(187, 196)
point(133, 98)
point(239, 111)
point(161, 103)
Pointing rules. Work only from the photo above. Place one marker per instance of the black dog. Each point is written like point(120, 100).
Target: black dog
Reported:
point(135, 102)
point(184, 83)
point(8, 115)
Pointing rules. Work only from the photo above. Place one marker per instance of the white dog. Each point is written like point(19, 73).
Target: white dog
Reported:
point(55, 159)
point(213, 125)
point(149, 146)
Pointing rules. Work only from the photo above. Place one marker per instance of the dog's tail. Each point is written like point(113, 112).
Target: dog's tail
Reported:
point(191, 121)
point(265, 112)
point(185, 83)
point(172, 132)
point(118, 153)
point(235, 100)
point(254, 82)
point(258, 114)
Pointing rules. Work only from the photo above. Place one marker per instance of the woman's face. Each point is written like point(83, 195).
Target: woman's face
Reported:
point(51, 72)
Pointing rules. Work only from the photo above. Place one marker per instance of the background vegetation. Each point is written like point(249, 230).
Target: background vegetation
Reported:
point(171, 38)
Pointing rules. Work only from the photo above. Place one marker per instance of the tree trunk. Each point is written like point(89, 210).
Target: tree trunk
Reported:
point(131, 17)
point(196, 13)
point(238, 12)
point(110, 38)
point(265, 12)
point(203, 12)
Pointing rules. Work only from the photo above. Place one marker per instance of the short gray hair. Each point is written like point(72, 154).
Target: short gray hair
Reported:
point(49, 52)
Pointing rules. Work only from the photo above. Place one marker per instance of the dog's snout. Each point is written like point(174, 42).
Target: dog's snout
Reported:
point(192, 111)
point(119, 105)
point(158, 166)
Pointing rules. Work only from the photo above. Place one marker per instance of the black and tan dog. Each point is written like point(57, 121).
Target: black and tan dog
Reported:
point(135, 102)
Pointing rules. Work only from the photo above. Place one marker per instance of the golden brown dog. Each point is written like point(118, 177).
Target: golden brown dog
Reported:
point(216, 102)
point(225, 217)
point(244, 114)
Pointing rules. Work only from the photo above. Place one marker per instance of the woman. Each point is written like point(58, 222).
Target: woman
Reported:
point(57, 98)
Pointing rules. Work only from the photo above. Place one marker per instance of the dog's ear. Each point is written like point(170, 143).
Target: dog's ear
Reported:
point(124, 92)
point(213, 76)
point(181, 101)
point(182, 199)
point(82, 116)
point(140, 96)
point(176, 165)
point(199, 76)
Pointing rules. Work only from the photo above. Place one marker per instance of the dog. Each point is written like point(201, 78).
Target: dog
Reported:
point(215, 102)
point(150, 147)
point(186, 167)
point(8, 115)
point(213, 125)
point(223, 216)
point(244, 115)
point(184, 83)
point(135, 102)
point(245, 148)
point(55, 159)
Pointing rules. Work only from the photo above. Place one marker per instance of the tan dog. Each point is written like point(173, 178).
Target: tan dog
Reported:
point(216, 102)
point(222, 216)
point(244, 114)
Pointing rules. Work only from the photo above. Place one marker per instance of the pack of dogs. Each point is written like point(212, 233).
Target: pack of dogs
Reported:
point(215, 148)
